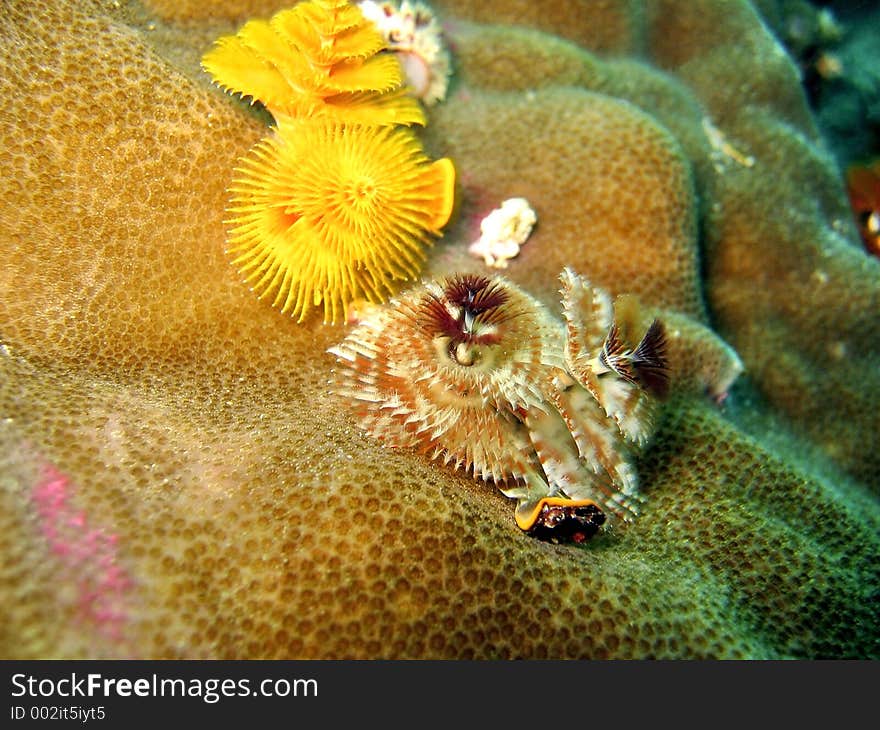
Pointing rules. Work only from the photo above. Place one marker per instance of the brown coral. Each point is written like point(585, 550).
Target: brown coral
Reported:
point(193, 424)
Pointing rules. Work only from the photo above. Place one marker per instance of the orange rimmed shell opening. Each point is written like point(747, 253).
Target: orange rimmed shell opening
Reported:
point(527, 513)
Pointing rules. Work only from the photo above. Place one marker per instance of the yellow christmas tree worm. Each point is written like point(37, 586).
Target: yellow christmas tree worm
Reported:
point(323, 214)
point(317, 59)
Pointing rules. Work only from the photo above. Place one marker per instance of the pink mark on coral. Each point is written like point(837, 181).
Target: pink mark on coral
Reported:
point(451, 28)
point(480, 202)
point(88, 554)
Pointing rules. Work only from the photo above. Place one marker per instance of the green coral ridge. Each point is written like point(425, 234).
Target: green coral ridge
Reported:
point(220, 503)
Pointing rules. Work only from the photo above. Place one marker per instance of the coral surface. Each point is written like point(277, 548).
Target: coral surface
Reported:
point(177, 481)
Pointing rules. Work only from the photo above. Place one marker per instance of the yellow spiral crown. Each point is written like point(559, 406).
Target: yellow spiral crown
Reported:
point(338, 202)
point(317, 59)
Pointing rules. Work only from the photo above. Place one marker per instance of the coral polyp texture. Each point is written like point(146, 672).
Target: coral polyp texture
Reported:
point(230, 506)
point(328, 214)
point(319, 58)
point(473, 371)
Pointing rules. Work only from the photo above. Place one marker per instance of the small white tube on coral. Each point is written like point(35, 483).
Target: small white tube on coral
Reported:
point(503, 231)
point(415, 35)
